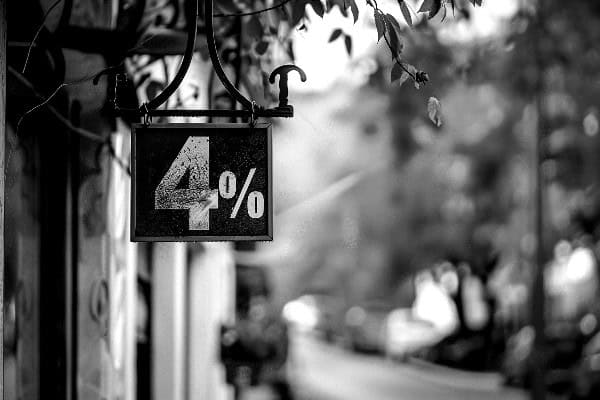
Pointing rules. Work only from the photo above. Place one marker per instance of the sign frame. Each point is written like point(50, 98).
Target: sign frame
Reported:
point(134, 237)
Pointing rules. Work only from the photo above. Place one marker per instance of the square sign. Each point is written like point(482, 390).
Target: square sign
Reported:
point(201, 182)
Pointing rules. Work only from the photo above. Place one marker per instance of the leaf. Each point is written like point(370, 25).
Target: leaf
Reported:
point(405, 12)
point(431, 6)
point(318, 7)
point(261, 47)
point(348, 43)
point(335, 34)
point(298, 11)
point(434, 110)
point(444, 13)
point(437, 6)
point(343, 7)
point(393, 22)
point(426, 6)
point(354, 9)
point(398, 74)
point(254, 27)
point(153, 89)
point(379, 24)
point(395, 41)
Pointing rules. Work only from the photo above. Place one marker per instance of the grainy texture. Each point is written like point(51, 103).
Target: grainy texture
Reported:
point(201, 182)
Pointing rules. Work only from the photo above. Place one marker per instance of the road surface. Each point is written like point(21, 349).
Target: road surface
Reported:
point(324, 372)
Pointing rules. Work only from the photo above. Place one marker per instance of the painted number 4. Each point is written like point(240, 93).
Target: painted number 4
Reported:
point(197, 198)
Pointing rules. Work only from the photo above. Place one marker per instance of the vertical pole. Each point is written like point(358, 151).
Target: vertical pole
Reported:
point(3, 35)
point(538, 389)
point(169, 271)
point(73, 302)
point(55, 279)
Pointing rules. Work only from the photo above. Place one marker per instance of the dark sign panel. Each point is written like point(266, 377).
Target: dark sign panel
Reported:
point(201, 182)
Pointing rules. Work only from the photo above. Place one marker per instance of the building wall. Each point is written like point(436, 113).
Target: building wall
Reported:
point(93, 265)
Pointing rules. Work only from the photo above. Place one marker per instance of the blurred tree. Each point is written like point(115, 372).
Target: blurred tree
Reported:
point(462, 220)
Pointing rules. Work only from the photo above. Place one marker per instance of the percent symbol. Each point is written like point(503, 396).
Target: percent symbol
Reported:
point(227, 189)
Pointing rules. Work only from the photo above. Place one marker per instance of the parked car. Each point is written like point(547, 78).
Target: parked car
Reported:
point(407, 335)
point(330, 316)
point(366, 327)
point(318, 313)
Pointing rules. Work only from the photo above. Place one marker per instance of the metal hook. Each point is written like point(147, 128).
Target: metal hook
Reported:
point(283, 72)
point(253, 114)
point(147, 119)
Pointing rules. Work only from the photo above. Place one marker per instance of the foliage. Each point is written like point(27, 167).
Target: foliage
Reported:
point(268, 25)
point(494, 96)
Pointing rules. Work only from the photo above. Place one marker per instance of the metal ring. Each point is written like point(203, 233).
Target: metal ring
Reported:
point(253, 114)
point(147, 119)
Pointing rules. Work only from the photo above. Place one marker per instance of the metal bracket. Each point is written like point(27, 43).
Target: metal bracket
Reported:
point(249, 111)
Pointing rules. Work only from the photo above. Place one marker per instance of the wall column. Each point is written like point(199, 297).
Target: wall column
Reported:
point(169, 320)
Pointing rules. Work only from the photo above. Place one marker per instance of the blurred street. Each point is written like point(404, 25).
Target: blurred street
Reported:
point(325, 372)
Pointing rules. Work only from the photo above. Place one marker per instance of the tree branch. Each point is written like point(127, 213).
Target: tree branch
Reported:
point(37, 33)
point(94, 137)
point(373, 4)
point(397, 60)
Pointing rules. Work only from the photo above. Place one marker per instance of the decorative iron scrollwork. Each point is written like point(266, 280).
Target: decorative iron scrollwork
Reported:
point(250, 109)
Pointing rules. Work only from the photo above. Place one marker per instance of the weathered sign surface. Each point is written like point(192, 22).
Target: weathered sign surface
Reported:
point(201, 182)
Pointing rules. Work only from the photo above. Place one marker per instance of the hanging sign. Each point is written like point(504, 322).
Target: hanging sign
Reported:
point(201, 182)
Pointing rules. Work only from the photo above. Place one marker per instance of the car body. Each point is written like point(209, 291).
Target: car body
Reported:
point(407, 335)
point(321, 314)
point(365, 327)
